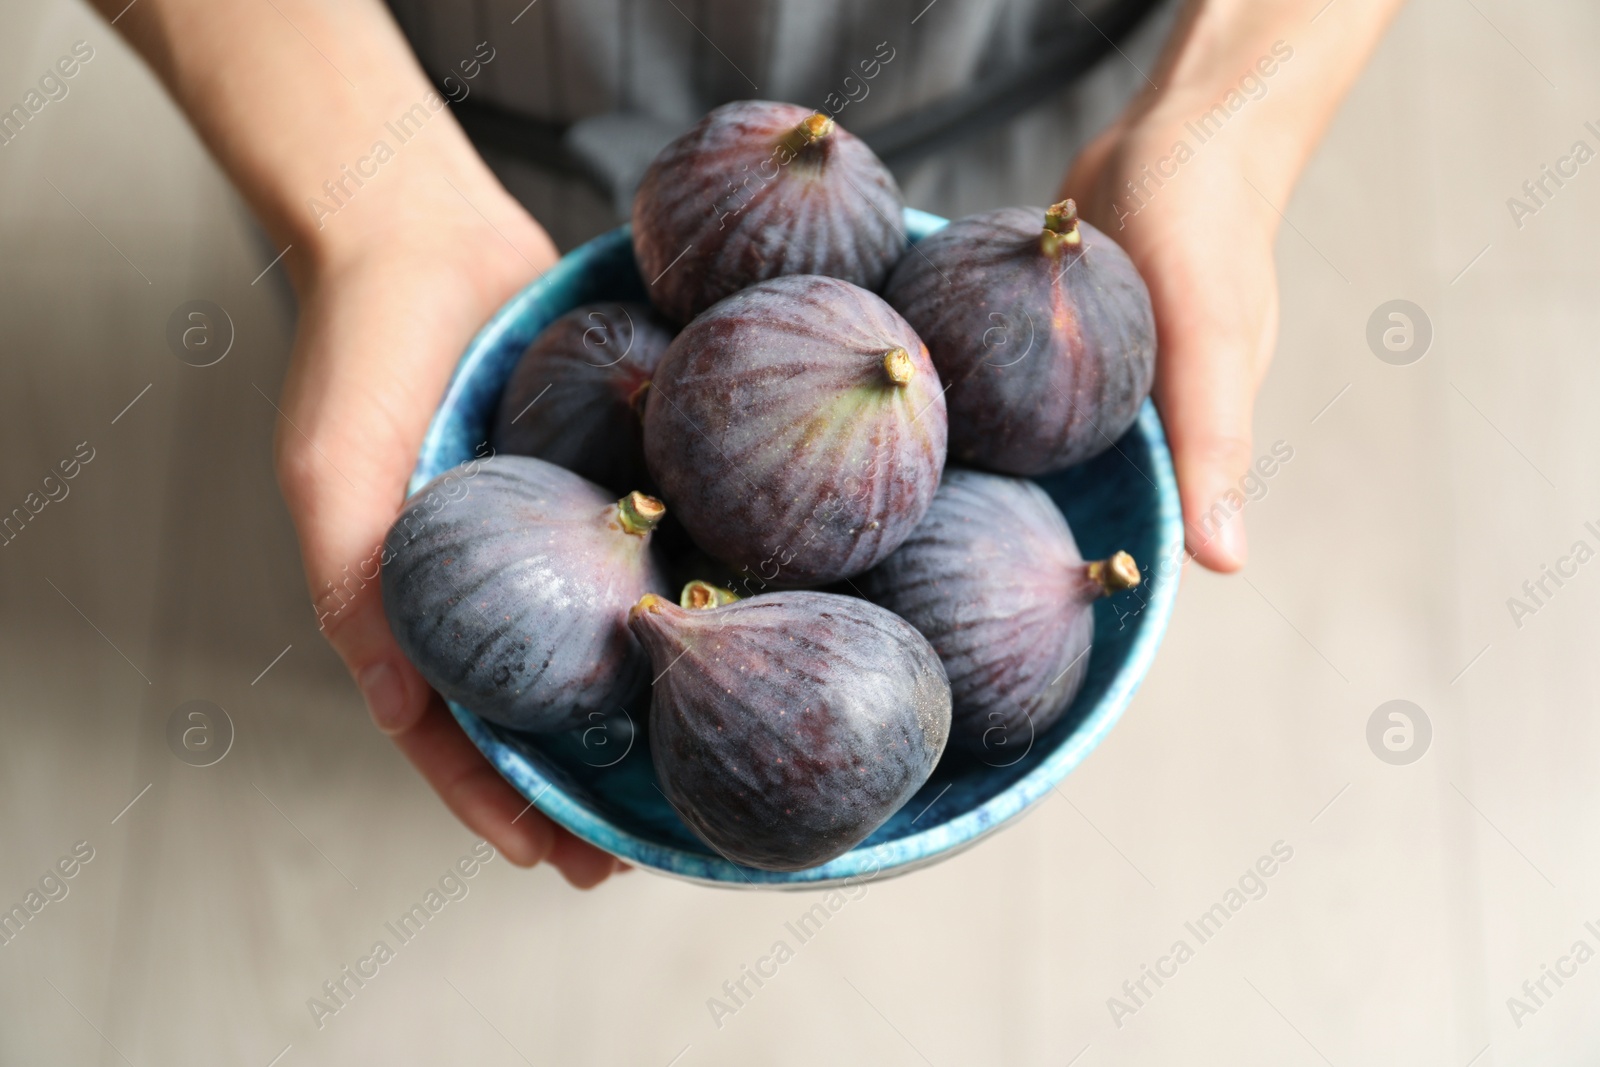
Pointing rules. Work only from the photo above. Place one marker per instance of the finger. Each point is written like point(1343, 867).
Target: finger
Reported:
point(472, 789)
point(341, 537)
point(1216, 323)
point(579, 862)
point(1205, 389)
point(396, 694)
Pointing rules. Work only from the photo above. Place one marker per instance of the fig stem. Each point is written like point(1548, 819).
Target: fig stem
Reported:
point(812, 128)
point(639, 514)
point(699, 595)
point(648, 604)
point(1115, 574)
point(898, 366)
point(1060, 228)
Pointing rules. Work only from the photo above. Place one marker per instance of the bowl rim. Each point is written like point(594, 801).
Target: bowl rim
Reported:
point(865, 861)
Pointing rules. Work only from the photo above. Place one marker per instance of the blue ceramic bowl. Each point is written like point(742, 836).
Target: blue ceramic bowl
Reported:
point(602, 787)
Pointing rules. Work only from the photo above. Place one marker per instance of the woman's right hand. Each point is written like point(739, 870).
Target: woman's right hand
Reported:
point(396, 268)
point(394, 287)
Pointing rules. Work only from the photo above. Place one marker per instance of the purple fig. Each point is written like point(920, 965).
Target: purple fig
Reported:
point(1043, 335)
point(993, 579)
point(577, 395)
point(757, 190)
point(787, 727)
point(507, 583)
point(797, 429)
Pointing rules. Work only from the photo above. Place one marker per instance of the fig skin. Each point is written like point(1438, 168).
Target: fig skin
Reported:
point(576, 397)
point(1045, 337)
point(787, 727)
point(507, 583)
point(757, 190)
point(780, 438)
point(994, 580)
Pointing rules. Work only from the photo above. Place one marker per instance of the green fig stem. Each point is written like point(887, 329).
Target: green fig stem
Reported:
point(639, 514)
point(1115, 574)
point(812, 128)
point(1060, 228)
point(897, 364)
point(699, 595)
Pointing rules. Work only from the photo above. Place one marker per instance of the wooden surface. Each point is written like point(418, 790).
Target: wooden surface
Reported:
point(1417, 900)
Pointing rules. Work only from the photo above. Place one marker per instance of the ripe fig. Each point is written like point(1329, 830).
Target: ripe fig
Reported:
point(798, 431)
point(507, 582)
point(757, 190)
point(787, 727)
point(1044, 335)
point(587, 372)
point(993, 579)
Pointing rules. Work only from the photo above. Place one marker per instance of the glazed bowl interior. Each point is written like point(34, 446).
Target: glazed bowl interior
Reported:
point(599, 782)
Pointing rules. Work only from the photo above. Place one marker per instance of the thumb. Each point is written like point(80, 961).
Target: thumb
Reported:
point(341, 539)
point(395, 694)
point(1205, 391)
point(341, 543)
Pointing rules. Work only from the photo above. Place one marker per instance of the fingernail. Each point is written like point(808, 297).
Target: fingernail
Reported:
point(1216, 534)
point(385, 694)
point(1231, 539)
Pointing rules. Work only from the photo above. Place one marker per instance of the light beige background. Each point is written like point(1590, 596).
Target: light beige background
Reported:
point(1414, 506)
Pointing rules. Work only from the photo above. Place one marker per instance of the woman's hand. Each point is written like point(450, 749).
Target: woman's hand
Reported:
point(1190, 181)
point(399, 281)
point(399, 254)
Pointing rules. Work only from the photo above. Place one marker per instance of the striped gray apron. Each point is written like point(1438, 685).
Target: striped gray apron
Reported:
point(569, 99)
